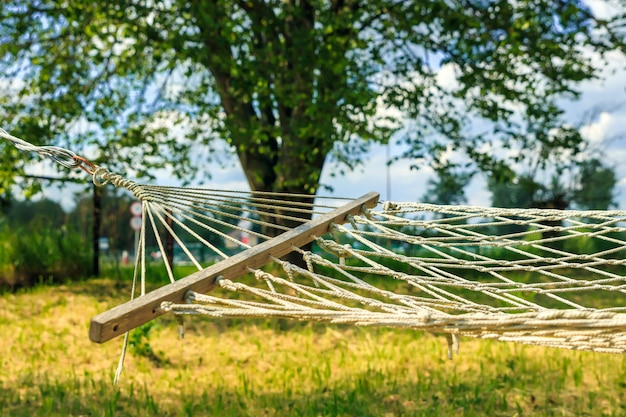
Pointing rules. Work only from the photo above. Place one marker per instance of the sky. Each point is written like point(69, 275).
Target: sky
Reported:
point(398, 182)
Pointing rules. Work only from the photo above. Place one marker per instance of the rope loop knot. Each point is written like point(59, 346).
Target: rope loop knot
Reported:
point(390, 206)
point(102, 177)
point(342, 251)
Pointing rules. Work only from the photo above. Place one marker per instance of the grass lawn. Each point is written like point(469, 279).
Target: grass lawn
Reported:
point(275, 368)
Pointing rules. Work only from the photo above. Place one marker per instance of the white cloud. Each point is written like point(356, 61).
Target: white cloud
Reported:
point(604, 9)
point(447, 76)
point(598, 130)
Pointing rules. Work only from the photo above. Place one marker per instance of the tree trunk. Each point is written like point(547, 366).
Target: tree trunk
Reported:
point(289, 179)
point(293, 257)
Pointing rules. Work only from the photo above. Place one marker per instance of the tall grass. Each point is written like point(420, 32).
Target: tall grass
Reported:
point(41, 253)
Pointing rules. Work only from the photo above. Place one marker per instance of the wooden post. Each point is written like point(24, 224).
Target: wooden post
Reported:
point(134, 313)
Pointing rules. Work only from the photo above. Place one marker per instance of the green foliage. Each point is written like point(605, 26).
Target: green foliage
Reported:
point(585, 184)
point(596, 183)
point(6, 250)
point(139, 343)
point(447, 187)
point(286, 84)
point(44, 211)
point(519, 192)
point(41, 252)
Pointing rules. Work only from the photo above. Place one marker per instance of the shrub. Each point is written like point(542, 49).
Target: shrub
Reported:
point(39, 252)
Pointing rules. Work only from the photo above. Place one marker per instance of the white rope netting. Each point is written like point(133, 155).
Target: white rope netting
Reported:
point(545, 277)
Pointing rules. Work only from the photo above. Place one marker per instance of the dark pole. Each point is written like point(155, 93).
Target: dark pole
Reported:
point(97, 213)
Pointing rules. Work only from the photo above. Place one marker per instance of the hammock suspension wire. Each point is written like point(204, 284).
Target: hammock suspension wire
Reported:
point(544, 277)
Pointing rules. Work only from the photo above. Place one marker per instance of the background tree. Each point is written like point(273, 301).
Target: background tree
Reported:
point(114, 220)
point(577, 178)
point(447, 187)
point(589, 185)
point(40, 212)
point(586, 184)
point(595, 186)
point(290, 85)
point(38, 243)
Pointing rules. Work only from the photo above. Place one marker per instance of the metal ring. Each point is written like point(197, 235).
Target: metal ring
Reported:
point(89, 169)
point(98, 177)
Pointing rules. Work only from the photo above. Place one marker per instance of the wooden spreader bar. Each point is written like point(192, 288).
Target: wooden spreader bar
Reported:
point(134, 313)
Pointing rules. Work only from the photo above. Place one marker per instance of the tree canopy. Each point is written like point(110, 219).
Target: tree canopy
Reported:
point(589, 184)
point(292, 84)
point(447, 187)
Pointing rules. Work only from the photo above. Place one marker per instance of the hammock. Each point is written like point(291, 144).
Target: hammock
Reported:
point(543, 277)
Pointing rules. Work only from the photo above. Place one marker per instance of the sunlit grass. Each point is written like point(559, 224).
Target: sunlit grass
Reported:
point(276, 368)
